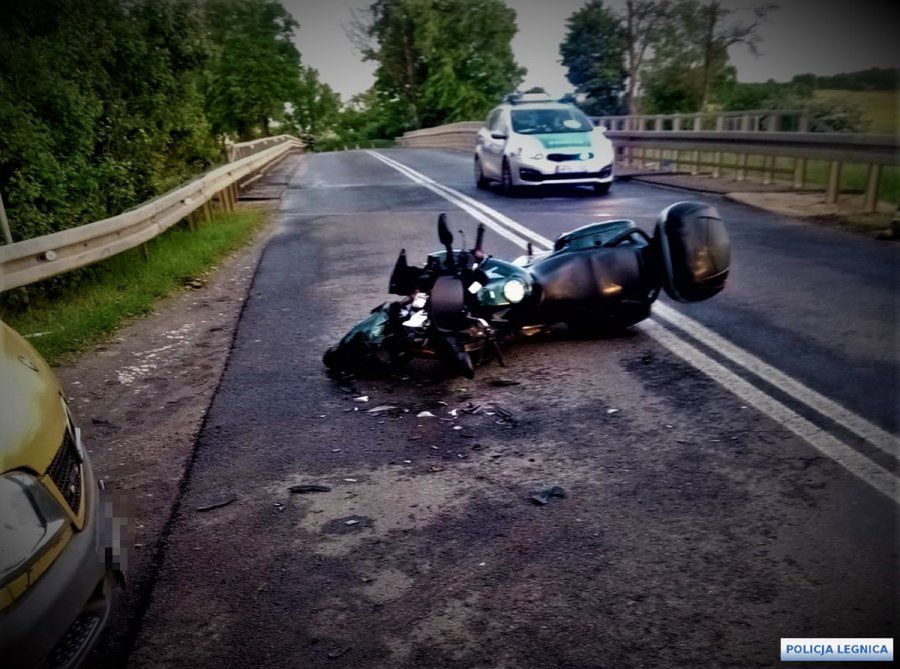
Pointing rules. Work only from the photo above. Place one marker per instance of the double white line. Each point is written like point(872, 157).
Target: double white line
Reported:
point(826, 443)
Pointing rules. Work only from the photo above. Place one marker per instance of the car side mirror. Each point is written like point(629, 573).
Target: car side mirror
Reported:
point(499, 135)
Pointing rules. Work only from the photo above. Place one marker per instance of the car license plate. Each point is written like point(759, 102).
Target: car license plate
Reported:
point(563, 169)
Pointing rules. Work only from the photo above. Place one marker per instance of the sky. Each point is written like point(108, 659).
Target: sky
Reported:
point(818, 36)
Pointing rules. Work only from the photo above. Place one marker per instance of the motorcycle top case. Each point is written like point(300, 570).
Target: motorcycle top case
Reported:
point(695, 251)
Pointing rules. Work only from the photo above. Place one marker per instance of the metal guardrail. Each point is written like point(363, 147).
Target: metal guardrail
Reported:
point(706, 149)
point(752, 120)
point(244, 149)
point(649, 148)
point(458, 136)
point(25, 262)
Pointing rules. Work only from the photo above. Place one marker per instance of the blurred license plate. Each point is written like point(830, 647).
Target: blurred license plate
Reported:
point(563, 169)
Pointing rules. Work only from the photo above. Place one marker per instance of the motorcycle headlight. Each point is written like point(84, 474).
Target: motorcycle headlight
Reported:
point(514, 291)
point(30, 523)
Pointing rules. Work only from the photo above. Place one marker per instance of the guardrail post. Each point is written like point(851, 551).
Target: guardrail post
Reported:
point(799, 172)
point(676, 123)
point(717, 156)
point(745, 123)
point(4, 223)
point(803, 123)
point(741, 166)
point(658, 123)
point(870, 206)
point(768, 169)
point(834, 183)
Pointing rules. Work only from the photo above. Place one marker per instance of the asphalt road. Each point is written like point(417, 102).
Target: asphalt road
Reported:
point(697, 530)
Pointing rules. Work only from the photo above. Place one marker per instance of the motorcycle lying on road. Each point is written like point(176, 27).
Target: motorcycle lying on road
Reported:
point(601, 277)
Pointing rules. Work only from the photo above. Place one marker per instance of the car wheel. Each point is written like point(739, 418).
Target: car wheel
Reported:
point(602, 189)
point(480, 181)
point(509, 189)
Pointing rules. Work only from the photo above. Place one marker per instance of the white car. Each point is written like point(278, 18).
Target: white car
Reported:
point(528, 142)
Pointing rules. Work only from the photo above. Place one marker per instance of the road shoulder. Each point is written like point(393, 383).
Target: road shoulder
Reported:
point(141, 398)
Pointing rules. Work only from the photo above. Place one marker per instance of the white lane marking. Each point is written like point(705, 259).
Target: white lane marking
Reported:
point(501, 218)
point(876, 476)
point(477, 215)
point(826, 407)
point(852, 460)
point(791, 386)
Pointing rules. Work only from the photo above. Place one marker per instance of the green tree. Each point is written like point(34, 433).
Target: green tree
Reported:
point(99, 107)
point(439, 60)
point(315, 106)
point(690, 66)
point(593, 51)
point(255, 65)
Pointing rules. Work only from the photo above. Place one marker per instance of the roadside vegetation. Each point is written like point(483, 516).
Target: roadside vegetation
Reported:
point(69, 318)
point(107, 103)
point(878, 108)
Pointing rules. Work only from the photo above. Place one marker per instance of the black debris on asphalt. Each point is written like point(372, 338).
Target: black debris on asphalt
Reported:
point(304, 488)
point(542, 497)
point(218, 502)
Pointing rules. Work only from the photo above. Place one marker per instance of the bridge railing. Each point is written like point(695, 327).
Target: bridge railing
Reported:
point(459, 136)
point(754, 120)
point(31, 260)
point(770, 155)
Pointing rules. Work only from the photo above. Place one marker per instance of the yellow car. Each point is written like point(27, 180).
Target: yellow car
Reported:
point(55, 584)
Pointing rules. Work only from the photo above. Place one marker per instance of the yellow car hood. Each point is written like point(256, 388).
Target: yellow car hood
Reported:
point(32, 415)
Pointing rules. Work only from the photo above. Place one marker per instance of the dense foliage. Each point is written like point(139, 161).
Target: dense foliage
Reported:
point(593, 51)
point(872, 79)
point(105, 103)
point(656, 56)
point(438, 61)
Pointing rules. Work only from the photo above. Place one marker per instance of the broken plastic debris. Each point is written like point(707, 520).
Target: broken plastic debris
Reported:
point(542, 497)
point(453, 412)
point(612, 411)
point(361, 398)
point(382, 408)
point(425, 414)
point(352, 521)
point(457, 427)
point(350, 480)
point(215, 504)
point(309, 487)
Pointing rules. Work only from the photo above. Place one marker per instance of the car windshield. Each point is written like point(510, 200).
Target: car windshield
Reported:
point(546, 121)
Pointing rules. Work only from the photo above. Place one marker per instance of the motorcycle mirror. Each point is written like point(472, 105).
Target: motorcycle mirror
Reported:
point(444, 234)
point(479, 242)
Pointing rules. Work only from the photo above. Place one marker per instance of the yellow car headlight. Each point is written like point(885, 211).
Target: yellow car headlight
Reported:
point(30, 523)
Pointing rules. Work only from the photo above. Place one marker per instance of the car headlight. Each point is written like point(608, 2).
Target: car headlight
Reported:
point(514, 291)
point(31, 521)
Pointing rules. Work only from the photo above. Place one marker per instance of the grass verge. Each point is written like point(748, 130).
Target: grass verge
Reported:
point(128, 285)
